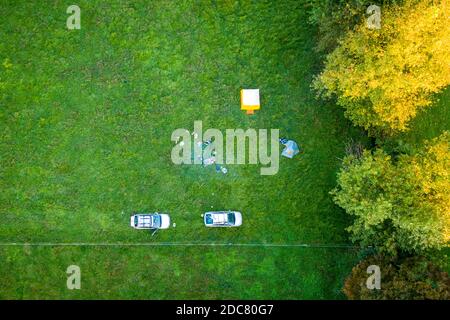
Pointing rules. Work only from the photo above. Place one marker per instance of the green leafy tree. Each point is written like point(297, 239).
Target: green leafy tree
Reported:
point(400, 204)
point(410, 278)
point(383, 77)
point(334, 18)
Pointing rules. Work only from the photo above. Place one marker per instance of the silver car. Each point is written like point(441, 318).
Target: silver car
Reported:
point(150, 221)
point(222, 219)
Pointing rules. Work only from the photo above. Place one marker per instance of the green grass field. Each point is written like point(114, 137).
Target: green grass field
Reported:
point(86, 118)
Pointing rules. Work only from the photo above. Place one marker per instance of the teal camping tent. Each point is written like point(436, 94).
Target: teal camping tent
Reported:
point(291, 149)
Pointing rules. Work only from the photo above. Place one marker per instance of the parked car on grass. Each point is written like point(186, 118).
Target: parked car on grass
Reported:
point(150, 221)
point(222, 219)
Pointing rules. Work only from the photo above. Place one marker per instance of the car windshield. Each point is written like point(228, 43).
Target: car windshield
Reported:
point(156, 221)
point(136, 221)
point(209, 219)
point(231, 218)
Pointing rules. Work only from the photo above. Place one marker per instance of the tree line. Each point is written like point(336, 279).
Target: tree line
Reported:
point(382, 78)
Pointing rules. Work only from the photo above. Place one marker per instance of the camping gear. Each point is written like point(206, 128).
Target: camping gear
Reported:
point(209, 161)
point(250, 100)
point(221, 169)
point(206, 143)
point(291, 149)
point(224, 170)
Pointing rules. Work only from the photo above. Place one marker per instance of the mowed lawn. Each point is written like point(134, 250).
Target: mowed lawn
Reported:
point(86, 118)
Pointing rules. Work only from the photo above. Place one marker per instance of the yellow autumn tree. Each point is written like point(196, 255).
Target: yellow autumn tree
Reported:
point(383, 77)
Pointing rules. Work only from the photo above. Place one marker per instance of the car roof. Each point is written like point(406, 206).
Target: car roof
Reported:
point(144, 221)
point(220, 218)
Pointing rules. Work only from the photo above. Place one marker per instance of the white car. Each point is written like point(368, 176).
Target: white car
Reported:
point(150, 221)
point(222, 219)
